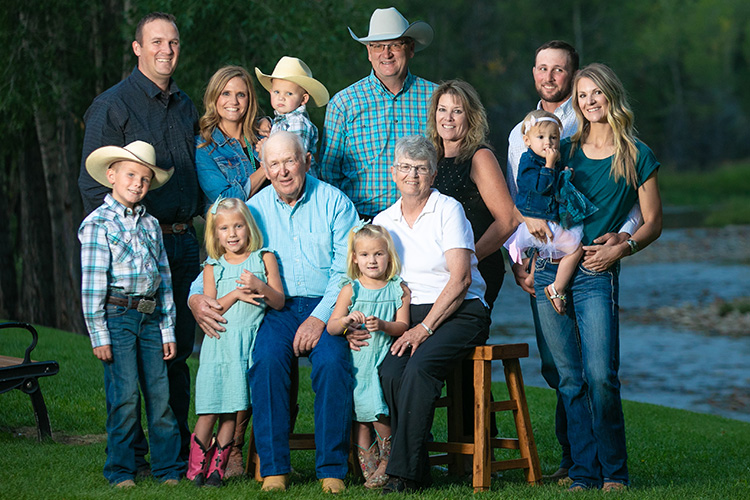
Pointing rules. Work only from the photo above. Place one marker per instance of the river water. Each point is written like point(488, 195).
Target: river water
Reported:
point(660, 363)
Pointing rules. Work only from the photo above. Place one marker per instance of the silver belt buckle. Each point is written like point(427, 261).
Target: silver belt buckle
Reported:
point(146, 306)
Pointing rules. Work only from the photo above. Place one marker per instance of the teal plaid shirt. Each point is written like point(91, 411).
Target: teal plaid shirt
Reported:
point(362, 124)
point(122, 249)
point(298, 122)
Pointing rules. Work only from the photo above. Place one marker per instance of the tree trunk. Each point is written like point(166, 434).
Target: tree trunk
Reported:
point(56, 134)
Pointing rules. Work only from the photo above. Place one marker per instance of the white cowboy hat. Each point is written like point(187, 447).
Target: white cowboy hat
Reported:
point(141, 152)
point(389, 24)
point(296, 71)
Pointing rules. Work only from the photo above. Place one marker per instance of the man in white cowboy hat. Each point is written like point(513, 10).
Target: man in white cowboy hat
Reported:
point(364, 120)
point(126, 291)
point(292, 86)
point(149, 106)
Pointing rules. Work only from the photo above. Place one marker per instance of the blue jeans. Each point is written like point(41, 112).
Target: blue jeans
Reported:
point(138, 358)
point(549, 372)
point(585, 346)
point(332, 382)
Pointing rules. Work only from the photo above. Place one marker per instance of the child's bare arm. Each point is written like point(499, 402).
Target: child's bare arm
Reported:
point(274, 289)
point(399, 325)
point(336, 324)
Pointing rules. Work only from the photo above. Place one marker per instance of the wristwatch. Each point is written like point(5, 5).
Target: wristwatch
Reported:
point(633, 246)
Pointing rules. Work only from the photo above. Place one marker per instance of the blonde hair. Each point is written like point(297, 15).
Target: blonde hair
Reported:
point(374, 232)
point(476, 118)
point(213, 247)
point(538, 117)
point(619, 117)
point(211, 119)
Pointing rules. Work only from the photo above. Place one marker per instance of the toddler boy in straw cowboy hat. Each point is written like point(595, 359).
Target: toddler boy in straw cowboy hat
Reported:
point(292, 86)
point(129, 310)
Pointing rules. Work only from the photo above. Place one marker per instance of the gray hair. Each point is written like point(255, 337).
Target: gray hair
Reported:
point(417, 147)
point(283, 135)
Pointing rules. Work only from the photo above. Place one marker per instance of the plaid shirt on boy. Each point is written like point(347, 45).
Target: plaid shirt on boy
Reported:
point(298, 122)
point(362, 124)
point(122, 251)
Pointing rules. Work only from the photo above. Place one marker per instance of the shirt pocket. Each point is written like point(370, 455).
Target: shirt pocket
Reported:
point(120, 246)
point(319, 249)
point(230, 167)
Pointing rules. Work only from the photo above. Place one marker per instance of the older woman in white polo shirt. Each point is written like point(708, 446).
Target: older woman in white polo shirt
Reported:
point(448, 314)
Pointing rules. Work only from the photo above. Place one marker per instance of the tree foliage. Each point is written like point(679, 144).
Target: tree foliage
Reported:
point(684, 63)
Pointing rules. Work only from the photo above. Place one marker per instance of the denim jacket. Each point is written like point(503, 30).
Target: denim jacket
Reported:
point(223, 168)
point(537, 188)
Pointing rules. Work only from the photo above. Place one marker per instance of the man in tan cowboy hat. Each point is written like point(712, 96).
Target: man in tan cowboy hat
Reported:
point(292, 86)
point(149, 106)
point(126, 291)
point(364, 120)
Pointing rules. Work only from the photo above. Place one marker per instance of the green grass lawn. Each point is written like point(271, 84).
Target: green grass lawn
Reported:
point(722, 194)
point(673, 454)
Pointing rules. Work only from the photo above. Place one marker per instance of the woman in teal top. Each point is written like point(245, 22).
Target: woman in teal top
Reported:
point(613, 169)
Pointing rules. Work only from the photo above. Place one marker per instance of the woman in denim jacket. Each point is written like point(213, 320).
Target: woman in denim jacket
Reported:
point(224, 155)
point(545, 192)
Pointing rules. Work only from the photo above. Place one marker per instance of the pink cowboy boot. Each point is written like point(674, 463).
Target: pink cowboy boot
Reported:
point(198, 461)
point(218, 465)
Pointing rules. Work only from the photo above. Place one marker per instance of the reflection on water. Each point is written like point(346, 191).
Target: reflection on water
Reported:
point(659, 364)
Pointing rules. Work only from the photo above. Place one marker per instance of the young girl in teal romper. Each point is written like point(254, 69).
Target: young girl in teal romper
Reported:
point(244, 278)
point(375, 299)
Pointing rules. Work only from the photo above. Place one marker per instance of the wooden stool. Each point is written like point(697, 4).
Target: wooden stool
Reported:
point(297, 441)
point(480, 445)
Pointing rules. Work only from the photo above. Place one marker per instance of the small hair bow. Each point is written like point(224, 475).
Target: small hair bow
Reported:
point(216, 204)
point(362, 223)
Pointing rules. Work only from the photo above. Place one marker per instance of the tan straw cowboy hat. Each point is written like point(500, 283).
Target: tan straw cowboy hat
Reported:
point(389, 24)
point(138, 151)
point(296, 71)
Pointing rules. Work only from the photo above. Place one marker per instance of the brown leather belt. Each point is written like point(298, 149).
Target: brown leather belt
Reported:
point(176, 228)
point(145, 305)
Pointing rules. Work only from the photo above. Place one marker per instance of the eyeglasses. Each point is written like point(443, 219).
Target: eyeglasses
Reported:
point(405, 168)
point(394, 46)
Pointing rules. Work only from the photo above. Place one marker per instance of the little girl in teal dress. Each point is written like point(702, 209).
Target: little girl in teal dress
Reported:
point(372, 298)
point(244, 278)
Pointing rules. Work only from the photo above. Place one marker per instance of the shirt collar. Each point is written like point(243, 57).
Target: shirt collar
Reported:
point(150, 88)
point(121, 209)
point(377, 84)
point(394, 211)
point(300, 110)
point(563, 109)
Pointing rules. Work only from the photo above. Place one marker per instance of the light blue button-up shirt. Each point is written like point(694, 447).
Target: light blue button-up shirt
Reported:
point(309, 240)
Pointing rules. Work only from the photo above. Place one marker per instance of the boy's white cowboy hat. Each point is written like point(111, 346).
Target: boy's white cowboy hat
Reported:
point(389, 24)
point(138, 151)
point(296, 71)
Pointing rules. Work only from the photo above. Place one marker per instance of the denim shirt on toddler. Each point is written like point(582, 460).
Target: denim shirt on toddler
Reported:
point(548, 193)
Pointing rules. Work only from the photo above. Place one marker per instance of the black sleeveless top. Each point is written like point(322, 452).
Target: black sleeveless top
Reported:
point(454, 179)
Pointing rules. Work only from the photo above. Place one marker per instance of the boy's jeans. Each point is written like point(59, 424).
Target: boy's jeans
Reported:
point(138, 357)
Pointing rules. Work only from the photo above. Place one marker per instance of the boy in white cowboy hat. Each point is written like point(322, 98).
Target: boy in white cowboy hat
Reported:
point(292, 86)
point(129, 310)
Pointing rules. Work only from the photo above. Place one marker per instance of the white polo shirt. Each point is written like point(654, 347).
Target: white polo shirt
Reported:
point(441, 226)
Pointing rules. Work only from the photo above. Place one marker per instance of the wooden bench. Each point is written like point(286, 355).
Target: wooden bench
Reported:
point(23, 374)
point(478, 447)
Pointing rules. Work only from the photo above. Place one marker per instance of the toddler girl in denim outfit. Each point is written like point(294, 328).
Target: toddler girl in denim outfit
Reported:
point(545, 192)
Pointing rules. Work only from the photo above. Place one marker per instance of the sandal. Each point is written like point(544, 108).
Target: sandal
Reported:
point(551, 292)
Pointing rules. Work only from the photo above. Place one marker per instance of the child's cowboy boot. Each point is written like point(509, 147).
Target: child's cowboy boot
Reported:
point(236, 466)
point(379, 477)
point(368, 460)
point(218, 465)
point(198, 461)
